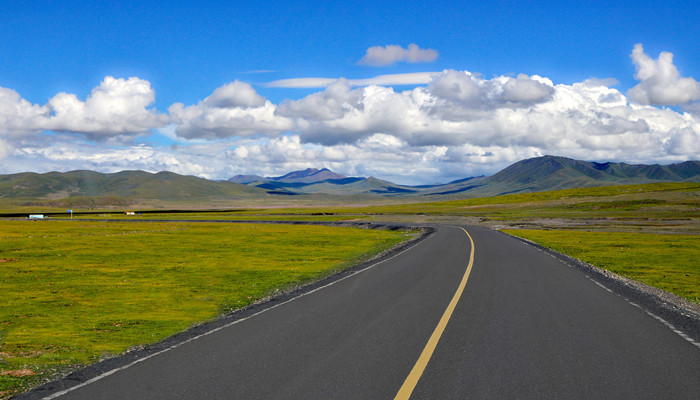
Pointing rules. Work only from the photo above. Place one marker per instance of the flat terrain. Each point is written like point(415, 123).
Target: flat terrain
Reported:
point(647, 232)
point(75, 291)
point(527, 326)
point(644, 232)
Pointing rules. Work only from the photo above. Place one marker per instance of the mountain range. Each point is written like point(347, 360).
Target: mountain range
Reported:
point(531, 175)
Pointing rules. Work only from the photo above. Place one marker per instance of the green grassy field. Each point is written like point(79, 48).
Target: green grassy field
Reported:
point(76, 291)
point(668, 262)
point(660, 201)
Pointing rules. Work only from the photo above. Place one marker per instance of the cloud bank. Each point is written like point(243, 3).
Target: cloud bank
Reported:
point(456, 124)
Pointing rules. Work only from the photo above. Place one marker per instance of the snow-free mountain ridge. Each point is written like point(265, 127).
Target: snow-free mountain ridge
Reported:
point(531, 175)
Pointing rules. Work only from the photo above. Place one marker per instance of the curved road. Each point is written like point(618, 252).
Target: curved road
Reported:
point(526, 326)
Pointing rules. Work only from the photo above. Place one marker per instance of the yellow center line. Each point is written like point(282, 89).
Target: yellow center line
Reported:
point(412, 379)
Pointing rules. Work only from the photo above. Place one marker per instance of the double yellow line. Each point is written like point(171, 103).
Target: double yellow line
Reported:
point(412, 379)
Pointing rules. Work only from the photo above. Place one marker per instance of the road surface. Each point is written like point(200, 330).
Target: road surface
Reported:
point(525, 326)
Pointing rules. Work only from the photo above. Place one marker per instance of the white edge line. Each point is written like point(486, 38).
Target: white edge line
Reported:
point(663, 321)
point(115, 370)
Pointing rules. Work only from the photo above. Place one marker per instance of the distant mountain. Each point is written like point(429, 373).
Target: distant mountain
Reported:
point(324, 181)
point(126, 184)
point(551, 173)
point(531, 175)
point(246, 179)
point(309, 175)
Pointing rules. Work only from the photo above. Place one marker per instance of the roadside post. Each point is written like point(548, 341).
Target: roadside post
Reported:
point(71, 213)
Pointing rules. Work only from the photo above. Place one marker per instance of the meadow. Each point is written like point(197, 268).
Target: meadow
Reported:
point(661, 207)
point(648, 232)
point(76, 291)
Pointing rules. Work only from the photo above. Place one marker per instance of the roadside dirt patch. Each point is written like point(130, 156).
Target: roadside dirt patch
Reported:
point(4, 260)
point(17, 373)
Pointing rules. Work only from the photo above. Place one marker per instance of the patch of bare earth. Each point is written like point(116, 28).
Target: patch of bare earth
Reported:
point(18, 373)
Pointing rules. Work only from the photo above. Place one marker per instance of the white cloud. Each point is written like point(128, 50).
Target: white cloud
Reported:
point(525, 90)
point(470, 91)
point(115, 107)
point(235, 94)
point(329, 104)
point(301, 83)
point(457, 86)
point(522, 116)
point(234, 109)
point(379, 56)
point(416, 78)
point(660, 82)
point(454, 124)
point(17, 115)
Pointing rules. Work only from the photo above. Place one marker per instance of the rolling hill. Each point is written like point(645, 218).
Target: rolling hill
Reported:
point(531, 175)
point(120, 185)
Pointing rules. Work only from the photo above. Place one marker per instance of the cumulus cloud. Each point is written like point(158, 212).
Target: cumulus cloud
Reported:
point(115, 107)
point(234, 109)
point(660, 82)
point(525, 90)
point(521, 116)
point(235, 94)
point(17, 115)
point(460, 92)
point(332, 103)
point(379, 56)
point(454, 124)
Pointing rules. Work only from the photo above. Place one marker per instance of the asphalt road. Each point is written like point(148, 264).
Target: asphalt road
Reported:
point(526, 326)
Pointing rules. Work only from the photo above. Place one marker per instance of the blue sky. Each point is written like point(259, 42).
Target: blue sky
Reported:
point(185, 51)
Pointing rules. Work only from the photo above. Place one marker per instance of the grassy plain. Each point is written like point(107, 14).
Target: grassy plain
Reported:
point(674, 206)
point(75, 291)
point(645, 232)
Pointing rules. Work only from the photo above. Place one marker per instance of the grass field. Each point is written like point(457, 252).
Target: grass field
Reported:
point(633, 207)
point(76, 291)
point(668, 262)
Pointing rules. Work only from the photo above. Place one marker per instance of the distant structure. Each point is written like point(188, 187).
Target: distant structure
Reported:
point(129, 213)
point(36, 216)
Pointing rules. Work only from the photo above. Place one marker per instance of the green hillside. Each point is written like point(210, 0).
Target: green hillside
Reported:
point(125, 184)
point(88, 189)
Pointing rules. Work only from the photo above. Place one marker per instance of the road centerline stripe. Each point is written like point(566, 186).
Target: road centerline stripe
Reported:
point(417, 371)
